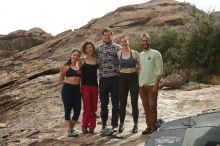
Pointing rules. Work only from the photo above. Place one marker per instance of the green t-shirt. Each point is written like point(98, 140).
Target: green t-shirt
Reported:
point(151, 66)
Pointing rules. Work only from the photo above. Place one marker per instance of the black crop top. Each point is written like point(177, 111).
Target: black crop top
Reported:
point(73, 73)
point(89, 74)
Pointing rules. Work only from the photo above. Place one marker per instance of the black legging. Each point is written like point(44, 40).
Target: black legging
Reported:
point(71, 100)
point(128, 81)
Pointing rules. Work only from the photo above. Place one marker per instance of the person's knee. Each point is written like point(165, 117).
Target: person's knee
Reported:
point(76, 115)
point(152, 106)
point(86, 113)
point(123, 105)
point(122, 111)
point(104, 106)
point(67, 112)
point(67, 115)
point(134, 103)
point(92, 114)
point(86, 108)
point(135, 109)
point(115, 109)
point(115, 102)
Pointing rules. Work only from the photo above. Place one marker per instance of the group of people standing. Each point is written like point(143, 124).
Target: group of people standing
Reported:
point(121, 70)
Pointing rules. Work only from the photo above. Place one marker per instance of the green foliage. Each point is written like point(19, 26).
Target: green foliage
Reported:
point(203, 47)
point(197, 50)
point(173, 60)
point(21, 48)
point(170, 43)
point(136, 46)
point(169, 38)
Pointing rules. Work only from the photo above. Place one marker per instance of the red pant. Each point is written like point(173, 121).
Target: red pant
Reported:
point(90, 99)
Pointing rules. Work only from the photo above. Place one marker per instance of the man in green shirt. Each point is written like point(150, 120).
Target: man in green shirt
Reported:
point(151, 65)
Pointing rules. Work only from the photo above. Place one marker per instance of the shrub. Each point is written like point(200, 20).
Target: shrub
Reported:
point(170, 43)
point(203, 45)
point(135, 45)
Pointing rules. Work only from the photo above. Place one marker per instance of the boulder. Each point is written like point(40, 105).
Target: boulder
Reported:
point(21, 40)
point(173, 80)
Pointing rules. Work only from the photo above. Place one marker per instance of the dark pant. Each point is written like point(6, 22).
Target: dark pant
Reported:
point(71, 100)
point(128, 81)
point(106, 86)
point(149, 100)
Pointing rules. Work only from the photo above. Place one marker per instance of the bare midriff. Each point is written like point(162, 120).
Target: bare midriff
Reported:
point(128, 70)
point(72, 80)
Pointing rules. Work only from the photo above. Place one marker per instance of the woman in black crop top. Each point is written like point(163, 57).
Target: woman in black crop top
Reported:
point(89, 87)
point(128, 81)
point(70, 75)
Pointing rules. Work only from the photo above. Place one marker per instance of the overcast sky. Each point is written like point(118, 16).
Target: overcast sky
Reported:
point(56, 16)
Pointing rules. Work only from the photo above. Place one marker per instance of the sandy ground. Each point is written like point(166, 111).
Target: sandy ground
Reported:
point(40, 122)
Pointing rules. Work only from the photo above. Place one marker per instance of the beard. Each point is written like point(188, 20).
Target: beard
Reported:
point(146, 46)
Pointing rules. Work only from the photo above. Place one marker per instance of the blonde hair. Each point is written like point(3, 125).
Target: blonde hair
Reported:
point(145, 36)
point(123, 36)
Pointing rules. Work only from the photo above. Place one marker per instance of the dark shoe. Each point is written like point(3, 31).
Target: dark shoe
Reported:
point(72, 133)
point(85, 131)
point(104, 126)
point(148, 131)
point(121, 128)
point(114, 129)
point(135, 129)
point(91, 130)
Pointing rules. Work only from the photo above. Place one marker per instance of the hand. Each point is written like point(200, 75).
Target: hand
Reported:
point(138, 69)
point(156, 88)
point(155, 91)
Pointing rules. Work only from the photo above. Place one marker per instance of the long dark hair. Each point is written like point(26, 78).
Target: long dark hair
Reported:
point(74, 50)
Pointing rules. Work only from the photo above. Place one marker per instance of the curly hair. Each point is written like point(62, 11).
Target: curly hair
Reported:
point(83, 48)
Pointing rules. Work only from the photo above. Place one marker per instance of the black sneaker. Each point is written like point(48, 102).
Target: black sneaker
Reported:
point(91, 130)
point(85, 131)
point(104, 126)
point(135, 129)
point(121, 128)
point(148, 131)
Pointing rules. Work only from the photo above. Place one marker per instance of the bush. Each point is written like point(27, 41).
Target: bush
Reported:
point(135, 45)
point(169, 43)
point(203, 45)
point(197, 50)
point(168, 38)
